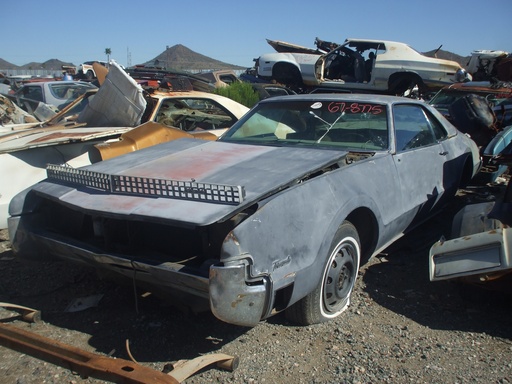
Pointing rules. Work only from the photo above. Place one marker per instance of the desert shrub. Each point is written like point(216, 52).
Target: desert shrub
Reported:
point(240, 92)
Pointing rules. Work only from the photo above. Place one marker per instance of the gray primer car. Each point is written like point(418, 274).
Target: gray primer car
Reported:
point(277, 214)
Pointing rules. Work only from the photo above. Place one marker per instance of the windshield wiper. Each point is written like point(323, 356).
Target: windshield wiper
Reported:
point(329, 126)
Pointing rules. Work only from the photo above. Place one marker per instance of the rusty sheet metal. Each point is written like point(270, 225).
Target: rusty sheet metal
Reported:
point(146, 135)
point(51, 136)
point(101, 72)
point(183, 369)
point(87, 364)
point(502, 90)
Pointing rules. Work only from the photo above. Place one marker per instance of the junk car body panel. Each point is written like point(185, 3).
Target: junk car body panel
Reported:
point(257, 255)
point(24, 160)
point(479, 248)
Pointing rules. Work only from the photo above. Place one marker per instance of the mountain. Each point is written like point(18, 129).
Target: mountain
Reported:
point(462, 60)
point(53, 64)
point(6, 65)
point(181, 58)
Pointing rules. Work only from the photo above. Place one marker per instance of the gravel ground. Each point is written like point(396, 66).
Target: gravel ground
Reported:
point(400, 327)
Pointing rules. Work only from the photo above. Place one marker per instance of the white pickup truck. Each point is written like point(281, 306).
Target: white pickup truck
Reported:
point(86, 71)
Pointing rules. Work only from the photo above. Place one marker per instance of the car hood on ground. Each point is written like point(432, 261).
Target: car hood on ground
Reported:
point(258, 170)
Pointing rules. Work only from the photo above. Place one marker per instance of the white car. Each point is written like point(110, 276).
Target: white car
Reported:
point(362, 65)
point(54, 93)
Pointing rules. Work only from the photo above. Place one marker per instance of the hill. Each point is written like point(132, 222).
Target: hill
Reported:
point(177, 57)
point(181, 58)
point(6, 65)
point(462, 60)
point(53, 64)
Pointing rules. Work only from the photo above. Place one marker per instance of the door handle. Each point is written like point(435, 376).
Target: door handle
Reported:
point(444, 153)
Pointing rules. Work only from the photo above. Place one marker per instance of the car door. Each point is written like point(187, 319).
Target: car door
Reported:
point(419, 158)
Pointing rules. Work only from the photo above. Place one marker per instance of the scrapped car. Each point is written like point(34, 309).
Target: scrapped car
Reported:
point(498, 96)
point(277, 214)
point(201, 114)
point(489, 64)
point(482, 109)
point(194, 110)
point(478, 249)
point(105, 123)
point(362, 65)
point(55, 93)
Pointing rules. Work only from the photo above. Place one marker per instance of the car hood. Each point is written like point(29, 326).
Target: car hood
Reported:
point(256, 171)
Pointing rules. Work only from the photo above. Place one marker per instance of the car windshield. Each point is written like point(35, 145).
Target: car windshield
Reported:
point(337, 124)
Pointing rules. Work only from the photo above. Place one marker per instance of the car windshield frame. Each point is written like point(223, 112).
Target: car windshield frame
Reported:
point(193, 113)
point(332, 124)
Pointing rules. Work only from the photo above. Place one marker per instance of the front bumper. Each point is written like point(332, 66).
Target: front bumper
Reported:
point(232, 298)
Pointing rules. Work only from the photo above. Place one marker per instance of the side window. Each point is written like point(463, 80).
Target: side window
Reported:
point(438, 129)
point(412, 127)
point(34, 93)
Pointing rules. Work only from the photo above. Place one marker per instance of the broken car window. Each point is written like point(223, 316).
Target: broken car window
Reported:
point(189, 114)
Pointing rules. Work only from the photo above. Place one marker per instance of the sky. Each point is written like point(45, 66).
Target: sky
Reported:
point(235, 31)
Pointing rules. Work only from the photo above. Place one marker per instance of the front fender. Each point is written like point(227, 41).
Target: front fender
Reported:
point(302, 61)
point(267, 61)
point(289, 231)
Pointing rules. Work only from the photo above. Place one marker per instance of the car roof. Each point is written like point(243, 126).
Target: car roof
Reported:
point(60, 82)
point(375, 41)
point(360, 97)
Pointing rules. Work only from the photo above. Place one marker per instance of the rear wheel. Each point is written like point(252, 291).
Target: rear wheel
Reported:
point(331, 296)
point(407, 85)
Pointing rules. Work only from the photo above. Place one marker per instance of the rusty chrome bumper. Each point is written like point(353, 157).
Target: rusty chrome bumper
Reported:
point(481, 254)
point(233, 299)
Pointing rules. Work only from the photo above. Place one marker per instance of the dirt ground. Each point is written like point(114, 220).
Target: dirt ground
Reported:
point(400, 327)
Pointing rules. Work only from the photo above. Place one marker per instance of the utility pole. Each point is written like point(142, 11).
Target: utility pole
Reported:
point(128, 58)
point(108, 51)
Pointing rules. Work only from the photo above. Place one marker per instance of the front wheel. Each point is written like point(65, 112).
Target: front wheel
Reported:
point(331, 296)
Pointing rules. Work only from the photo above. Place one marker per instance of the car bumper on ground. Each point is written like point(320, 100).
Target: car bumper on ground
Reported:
point(482, 254)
